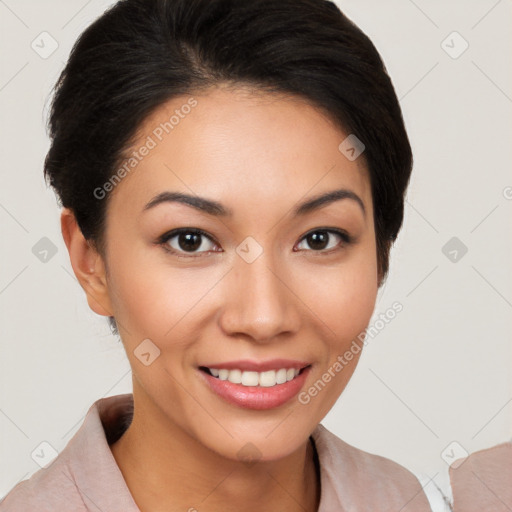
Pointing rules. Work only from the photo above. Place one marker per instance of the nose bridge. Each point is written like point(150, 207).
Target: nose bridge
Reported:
point(260, 305)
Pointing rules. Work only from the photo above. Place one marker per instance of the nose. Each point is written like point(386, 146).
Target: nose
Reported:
point(259, 301)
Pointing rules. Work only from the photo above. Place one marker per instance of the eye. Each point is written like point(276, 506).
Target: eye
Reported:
point(193, 242)
point(319, 239)
point(186, 240)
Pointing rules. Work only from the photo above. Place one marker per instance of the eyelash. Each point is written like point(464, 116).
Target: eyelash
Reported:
point(163, 241)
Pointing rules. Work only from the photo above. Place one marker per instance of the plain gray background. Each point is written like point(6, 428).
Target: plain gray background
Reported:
point(434, 383)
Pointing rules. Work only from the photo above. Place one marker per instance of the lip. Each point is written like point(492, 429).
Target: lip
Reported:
point(259, 366)
point(256, 397)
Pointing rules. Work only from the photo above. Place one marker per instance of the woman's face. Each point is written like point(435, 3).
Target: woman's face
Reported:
point(254, 287)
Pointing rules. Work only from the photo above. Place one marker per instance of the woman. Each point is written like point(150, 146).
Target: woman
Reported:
point(233, 176)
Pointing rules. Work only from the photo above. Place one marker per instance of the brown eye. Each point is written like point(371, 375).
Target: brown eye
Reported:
point(186, 240)
point(189, 241)
point(322, 239)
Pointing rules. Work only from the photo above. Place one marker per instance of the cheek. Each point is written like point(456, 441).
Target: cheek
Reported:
point(343, 300)
point(356, 296)
point(342, 296)
point(156, 300)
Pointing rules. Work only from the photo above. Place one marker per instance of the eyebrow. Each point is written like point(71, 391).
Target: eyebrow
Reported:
point(212, 207)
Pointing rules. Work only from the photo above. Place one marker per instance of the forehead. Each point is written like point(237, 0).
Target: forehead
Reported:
point(241, 145)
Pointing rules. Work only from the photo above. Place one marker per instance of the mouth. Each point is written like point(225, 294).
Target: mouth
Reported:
point(255, 384)
point(257, 390)
point(254, 379)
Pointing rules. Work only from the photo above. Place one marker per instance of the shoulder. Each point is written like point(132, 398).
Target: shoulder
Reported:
point(84, 475)
point(483, 480)
point(367, 480)
point(45, 491)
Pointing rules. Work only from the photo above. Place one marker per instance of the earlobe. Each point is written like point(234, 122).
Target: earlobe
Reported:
point(87, 264)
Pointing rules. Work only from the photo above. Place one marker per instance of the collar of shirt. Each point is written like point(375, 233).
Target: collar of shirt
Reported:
point(86, 477)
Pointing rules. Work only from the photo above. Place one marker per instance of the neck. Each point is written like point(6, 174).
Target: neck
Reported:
point(167, 469)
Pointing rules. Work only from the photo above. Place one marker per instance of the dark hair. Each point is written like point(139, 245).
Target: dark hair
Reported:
point(141, 53)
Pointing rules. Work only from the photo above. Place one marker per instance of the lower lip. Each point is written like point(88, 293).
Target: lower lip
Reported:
point(256, 397)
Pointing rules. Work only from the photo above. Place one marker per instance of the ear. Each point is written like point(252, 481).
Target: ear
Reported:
point(87, 264)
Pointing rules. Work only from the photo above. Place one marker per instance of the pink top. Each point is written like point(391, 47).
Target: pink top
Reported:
point(85, 475)
point(483, 481)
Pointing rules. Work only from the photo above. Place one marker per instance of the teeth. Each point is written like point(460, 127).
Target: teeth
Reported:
point(281, 375)
point(264, 379)
point(248, 378)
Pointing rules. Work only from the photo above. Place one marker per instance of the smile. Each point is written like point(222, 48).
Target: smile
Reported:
point(251, 389)
point(266, 379)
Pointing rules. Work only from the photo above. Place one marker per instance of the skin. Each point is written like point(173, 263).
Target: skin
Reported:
point(259, 155)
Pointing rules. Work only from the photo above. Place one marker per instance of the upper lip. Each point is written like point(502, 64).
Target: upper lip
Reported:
point(258, 366)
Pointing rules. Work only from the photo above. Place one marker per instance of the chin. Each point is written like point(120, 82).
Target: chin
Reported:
point(266, 442)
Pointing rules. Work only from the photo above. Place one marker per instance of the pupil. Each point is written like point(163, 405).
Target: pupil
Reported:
point(318, 240)
point(191, 241)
